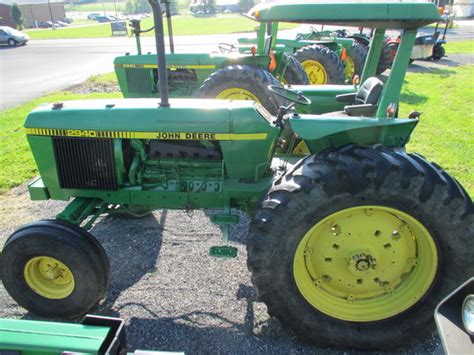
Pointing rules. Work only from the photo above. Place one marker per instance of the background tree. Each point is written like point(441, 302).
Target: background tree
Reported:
point(129, 7)
point(17, 16)
point(211, 6)
point(246, 5)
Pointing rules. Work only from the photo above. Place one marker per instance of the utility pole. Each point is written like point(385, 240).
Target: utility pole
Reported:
point(115, 5)
point(51, 14)
point(103, 6)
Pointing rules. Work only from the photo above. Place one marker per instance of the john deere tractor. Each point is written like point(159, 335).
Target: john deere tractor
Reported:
point(326, 58)
point(207, 75)
point(352, 245)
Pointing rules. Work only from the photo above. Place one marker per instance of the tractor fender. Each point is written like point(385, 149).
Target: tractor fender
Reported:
point(321, 132)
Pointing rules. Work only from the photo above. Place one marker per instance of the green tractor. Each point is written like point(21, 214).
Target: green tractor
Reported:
point(355, 55)
point(207, 75)
point(326, 58)
point(352, 245)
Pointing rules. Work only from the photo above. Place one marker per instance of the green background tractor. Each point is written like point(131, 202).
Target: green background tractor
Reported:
point(208, 75)
point(327, 59)
point(352, 245)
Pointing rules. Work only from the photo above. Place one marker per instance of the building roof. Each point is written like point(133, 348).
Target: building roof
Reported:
point(28, 2)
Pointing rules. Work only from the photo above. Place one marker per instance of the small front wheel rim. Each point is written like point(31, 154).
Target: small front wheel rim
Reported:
point(365, 263)
point(49, 277)
point(316, 72)
point(237, 94)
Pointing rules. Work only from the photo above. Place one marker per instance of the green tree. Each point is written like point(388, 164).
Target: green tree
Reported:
point(129, 7)
point(142, 6)
point(17, 16)
point(211, 6)
point(246, 5)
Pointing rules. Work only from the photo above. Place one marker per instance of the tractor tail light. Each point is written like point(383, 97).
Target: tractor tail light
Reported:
point(273, 64)
point(391, 109)
point(343, 54)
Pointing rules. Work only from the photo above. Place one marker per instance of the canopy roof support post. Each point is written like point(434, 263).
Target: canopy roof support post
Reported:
point(376, 44)
point(261, 35)
point(393, 86)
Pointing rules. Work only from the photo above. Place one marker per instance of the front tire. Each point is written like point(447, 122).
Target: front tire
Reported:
point(241, 82)
point(373, 239)
point(54, 269)
point(12, 42)
point(438, 52)
point(294, 72)
point(355, 61)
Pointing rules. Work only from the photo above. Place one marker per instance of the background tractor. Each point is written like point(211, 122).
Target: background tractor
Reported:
point(326, 58)
point(207, 75)
point(352, 245)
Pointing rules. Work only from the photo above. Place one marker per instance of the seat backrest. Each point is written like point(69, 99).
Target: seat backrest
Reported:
point(369, 92)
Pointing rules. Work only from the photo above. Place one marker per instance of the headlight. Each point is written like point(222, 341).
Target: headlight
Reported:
point(468, 314)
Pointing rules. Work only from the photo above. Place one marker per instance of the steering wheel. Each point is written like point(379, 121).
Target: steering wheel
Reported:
point(295, 97)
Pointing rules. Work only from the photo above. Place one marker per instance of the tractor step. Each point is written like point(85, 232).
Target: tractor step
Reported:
point(223, 251)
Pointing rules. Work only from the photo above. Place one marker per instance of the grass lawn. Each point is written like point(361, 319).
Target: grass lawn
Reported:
point(444, 135)
point(16, 161)
point(459, 47)
point(182, 25)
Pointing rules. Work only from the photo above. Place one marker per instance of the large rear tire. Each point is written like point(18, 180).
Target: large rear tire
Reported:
point(356, 246)
point(54, 269)
point(321, 64)
point(241, 82)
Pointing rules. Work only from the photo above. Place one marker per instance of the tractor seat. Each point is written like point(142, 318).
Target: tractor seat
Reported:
point(364, 101)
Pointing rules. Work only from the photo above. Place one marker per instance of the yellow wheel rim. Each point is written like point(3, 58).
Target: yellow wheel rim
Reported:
point(237, 94)
point(49, 277)
point(349, 68)
point(365, 263)
point(301, 149)
point(316, 73)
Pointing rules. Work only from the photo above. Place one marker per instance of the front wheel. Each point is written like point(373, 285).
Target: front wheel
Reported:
point(54, 269)
point(11, 42)
point(438, 52)
point(294, 72)
point(356, 246)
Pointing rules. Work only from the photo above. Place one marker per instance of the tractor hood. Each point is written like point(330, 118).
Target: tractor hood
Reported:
point(358, 14)
point(144, 118)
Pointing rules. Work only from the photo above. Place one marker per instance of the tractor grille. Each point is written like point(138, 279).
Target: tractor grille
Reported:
point(139, 81)
point(85, 163)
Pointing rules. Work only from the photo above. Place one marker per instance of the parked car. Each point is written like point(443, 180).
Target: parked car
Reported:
point(93, 16)
point(60, 23)
point(48, 24)
point(105, 18)
point(68, 20)
point(12, 37)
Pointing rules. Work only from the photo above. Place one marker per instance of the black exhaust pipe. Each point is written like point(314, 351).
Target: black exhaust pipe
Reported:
point(160, 52)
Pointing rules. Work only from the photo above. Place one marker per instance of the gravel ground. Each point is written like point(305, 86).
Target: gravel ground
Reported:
point(172, 295)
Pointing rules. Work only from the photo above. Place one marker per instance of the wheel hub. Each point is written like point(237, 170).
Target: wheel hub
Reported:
point(49, 277)
point(365, 263)
point(316, 72)
point(360, 263)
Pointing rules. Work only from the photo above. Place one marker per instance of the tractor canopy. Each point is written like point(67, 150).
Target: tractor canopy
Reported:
point(358, 14)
